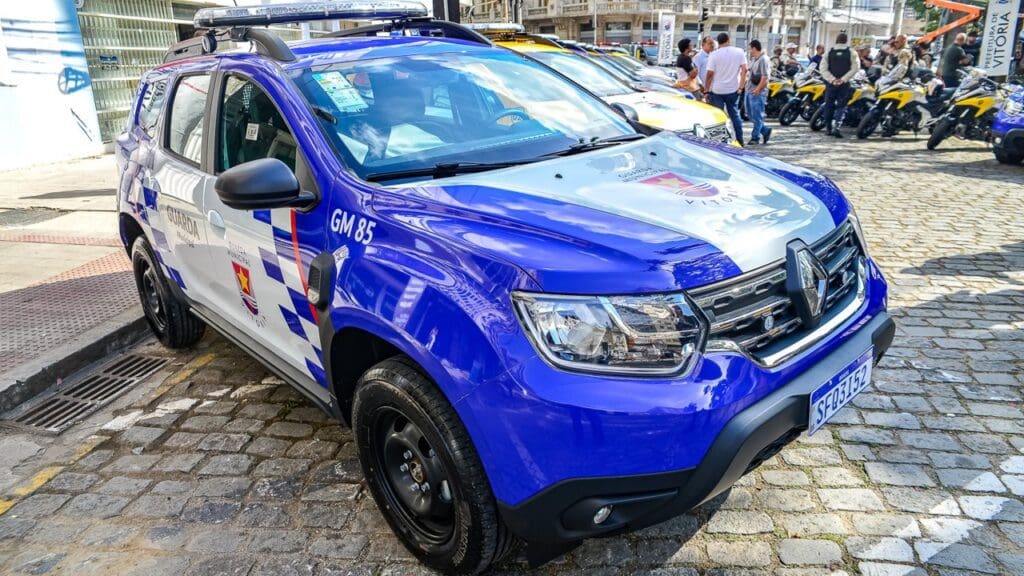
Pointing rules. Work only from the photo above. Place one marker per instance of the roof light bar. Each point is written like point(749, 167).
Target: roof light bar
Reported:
point(306, 12)
point(496, 27)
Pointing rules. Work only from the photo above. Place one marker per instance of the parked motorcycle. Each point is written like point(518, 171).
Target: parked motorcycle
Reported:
point(971, 110)
point(904, 103)
point(780, 91)
point(862, 100)
point(808, 96)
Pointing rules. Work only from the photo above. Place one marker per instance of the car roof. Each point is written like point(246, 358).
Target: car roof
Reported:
point(322, 51)
point(528, 46)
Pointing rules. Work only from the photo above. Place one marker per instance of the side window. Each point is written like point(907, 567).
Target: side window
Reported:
point(251, 128)
point(185, 126)
point(149, 109)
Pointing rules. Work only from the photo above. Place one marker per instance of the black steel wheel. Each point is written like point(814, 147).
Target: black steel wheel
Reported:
point(423, 470)
point(168, 317)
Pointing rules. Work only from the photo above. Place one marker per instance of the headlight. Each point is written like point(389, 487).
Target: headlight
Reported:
point(699, 131)
point(1013, 107)
point(626, 335)
point(858, 231)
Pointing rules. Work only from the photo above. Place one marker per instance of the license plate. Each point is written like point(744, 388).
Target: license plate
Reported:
point(831, 396)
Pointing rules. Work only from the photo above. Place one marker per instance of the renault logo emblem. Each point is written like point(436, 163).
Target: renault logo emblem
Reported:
point(806, 282)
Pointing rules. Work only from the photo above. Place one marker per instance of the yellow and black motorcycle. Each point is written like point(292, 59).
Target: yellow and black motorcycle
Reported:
point(808, 97)
point(904, 103)
point(780, 91)
point(862, 100)
point(971, 111)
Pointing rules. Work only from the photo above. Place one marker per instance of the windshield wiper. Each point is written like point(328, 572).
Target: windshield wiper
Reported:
point(595, 143)
point(442, 170)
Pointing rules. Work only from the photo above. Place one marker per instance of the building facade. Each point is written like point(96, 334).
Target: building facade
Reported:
point(623, 21)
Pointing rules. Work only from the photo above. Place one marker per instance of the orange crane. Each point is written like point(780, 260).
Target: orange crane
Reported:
point(971, 11)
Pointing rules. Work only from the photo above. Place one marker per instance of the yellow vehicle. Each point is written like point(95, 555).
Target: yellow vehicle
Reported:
point(810, 92)
point(971, 111)
point(780, 91)
point(657, 109)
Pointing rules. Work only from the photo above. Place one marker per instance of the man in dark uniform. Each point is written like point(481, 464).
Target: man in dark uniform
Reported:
point(838, 68)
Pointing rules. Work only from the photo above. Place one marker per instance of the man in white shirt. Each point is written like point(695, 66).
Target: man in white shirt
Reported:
point(707, 46)
point(727, 73)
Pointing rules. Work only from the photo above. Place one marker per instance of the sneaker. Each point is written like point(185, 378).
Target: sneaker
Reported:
point(752, 141)
point(766, 135)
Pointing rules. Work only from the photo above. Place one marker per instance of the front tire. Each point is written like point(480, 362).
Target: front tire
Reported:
point(790, 112)
point(168, 317)
point(818, 119)
point(869, 123)
point(1005, 156)
point(940, 131)
point(410, 436)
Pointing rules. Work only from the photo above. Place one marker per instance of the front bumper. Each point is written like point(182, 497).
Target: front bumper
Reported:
point(1007, 138)
point(564, 512)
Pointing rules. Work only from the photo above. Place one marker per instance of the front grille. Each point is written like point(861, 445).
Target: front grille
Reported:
point(754, 311)
point(718, 133)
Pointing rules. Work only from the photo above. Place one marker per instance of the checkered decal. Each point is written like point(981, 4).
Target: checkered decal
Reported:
point(149, 198)
point(287, 291)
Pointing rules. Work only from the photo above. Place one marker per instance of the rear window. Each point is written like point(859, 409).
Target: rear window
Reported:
point(152, 100)
point(185, 125)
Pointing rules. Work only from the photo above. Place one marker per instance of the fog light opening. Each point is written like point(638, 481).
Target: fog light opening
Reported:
point(602, 514)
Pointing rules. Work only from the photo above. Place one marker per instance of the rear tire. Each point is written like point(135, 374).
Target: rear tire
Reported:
point(169, 318)
point(818, 119)
point(1005, 156)
point(409, 435)
point(940, 131)
point(790, 112)
point(868, 124)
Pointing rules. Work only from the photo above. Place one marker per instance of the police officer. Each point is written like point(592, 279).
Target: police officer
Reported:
point(838, 68)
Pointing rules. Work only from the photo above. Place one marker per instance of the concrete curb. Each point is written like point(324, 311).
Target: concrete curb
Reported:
point(37, 375)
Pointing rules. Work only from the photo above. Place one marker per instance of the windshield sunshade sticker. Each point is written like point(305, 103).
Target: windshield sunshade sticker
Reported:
point(342, 93)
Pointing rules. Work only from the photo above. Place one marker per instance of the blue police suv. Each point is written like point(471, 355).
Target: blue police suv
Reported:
point(544, 321)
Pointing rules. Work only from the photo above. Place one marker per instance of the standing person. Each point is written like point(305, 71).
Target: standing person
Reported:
point(727, 73)
point(687, 71)
point(757, 92)
point(973, 47)
point(838, 69)
point(952, 59)
point(707, 45)
point(819, 51)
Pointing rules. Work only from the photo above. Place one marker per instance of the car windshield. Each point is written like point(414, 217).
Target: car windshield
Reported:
point(626, 62)
point(583, 72)
point(407, 113)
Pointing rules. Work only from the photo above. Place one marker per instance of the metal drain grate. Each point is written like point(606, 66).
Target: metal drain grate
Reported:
point(73, 403)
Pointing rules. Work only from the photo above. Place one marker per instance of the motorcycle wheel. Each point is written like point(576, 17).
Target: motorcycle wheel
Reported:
point(868, 124)
point(809, 111)
point(940, 131)
point(818, 119)
point(790, 112)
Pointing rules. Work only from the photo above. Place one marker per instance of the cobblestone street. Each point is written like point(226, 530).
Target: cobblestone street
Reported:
point(214, 467)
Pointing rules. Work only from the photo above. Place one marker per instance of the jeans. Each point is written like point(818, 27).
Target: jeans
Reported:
point(755, 111)
point(731, 104)
point(836, 99)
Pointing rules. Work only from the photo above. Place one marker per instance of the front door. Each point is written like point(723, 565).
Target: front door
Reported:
point(258, 274)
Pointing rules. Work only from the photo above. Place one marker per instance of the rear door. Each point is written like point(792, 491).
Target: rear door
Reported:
point(174, 187)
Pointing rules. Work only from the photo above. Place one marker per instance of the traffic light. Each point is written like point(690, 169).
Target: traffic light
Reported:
point(704, 14)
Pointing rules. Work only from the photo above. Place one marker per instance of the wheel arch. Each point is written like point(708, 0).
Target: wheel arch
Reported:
point(130, 229)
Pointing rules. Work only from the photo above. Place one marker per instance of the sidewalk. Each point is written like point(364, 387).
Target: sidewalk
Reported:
point(67, 296)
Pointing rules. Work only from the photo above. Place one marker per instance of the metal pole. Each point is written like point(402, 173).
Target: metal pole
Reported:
point(595, 21)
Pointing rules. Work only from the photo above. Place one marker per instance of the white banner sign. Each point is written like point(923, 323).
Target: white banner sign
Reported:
point(997, 37)
point(666, 37)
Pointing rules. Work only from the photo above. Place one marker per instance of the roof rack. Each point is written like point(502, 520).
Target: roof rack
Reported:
point(426, 26)
point(235, 23)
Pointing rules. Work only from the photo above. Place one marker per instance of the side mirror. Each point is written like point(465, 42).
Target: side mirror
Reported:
point(260, 185)
point(627, 111)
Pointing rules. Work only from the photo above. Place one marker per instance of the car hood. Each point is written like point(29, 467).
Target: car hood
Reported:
point(669, 112)
point(663, 213)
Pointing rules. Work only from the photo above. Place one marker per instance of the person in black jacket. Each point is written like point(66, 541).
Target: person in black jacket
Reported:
point(838, 68)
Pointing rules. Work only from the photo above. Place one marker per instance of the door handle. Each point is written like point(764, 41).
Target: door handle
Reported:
point(216, 221)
